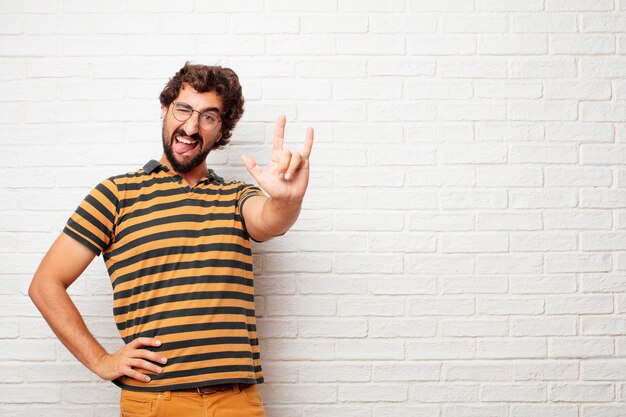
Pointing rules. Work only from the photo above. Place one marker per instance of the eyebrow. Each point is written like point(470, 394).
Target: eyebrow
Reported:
point(213, 109)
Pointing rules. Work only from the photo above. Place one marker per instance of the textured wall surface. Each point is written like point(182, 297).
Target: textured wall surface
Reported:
point(462, 247)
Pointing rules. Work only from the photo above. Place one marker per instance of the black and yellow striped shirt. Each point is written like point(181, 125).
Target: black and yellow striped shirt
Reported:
point(180, 265)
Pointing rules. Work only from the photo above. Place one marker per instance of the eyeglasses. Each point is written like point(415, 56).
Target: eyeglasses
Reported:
point(183, 112)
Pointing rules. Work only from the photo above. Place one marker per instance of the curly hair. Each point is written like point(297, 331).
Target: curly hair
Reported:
point(203, 79)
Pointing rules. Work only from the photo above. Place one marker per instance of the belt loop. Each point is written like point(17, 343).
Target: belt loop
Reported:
point(167, 395)
point(236, 388)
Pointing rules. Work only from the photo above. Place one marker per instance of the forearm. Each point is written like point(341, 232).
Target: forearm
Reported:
point(63, 317)
point(277, 216)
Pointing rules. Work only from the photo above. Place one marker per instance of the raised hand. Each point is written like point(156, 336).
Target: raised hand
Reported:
point(286, 176)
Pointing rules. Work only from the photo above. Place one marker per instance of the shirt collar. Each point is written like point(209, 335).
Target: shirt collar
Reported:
point(154, 165)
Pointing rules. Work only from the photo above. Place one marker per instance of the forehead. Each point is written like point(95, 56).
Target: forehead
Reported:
point(199, 101)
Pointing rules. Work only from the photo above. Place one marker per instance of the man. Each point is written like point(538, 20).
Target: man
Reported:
point(175, 239)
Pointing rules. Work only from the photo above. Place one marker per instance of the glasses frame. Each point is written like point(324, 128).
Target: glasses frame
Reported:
point(174, 103)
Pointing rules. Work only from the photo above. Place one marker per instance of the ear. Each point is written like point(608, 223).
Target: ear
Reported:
point(163, 111)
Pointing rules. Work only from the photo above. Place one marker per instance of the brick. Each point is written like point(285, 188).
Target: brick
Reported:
point(551, 198)
point(579, 5)
point(543, 68)
point(448, 306)
point(438, 221)
point(438, 90)
point(577, 262)
point(553, 326)
point(368, 264)
point(403, 23)
point(498, 306)
point(474, 24)
point(438, 349)
point(441, 45)
point(395, 328)
point(472, 284)
point(543, 241)
point(300, 6)
point(370, 44)
point(386, 285)
point(331, 23)
point(509, 263)
point(331, 328)
point(373, 306)
point(264, 24)
point(335, 372)
point(521, 90)
point(439, 264)
point(474, 328)
point(603, 22)
point(576, 392)
point(519, 392)
point(457, 6)
point(473, 242)
point(372, 392)
point(519, 347)
point(508, 6)
point(452, 67)
point(472, 199)
point(400, 66)
point(360, 349)
point(584, 45)
point(512, 45)
point(406, 372)
point(580, 347)
point(558, 284)
point(543, 23)
point(445, 393)
point(508, 177)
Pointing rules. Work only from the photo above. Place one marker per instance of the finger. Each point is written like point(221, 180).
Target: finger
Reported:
point(251, 166)
point(296, 160)
point(136, 375)
point(308, 143)
point(283, 163)
point(144, 341)
point(146, 354)
point(140, 363)
point(279, 132)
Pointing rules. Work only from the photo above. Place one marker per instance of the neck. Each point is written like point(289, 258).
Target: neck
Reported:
point(192, 177)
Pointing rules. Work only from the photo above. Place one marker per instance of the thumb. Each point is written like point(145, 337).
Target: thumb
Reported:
point(251, 166)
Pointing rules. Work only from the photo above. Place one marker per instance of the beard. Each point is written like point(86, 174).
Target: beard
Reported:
point(183, 167)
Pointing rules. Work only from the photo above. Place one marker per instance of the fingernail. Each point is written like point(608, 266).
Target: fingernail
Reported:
point(147, 379)
point(159, 369)
point(281, 176)
point(158, 342)
point(288, 175)
point(163, 360)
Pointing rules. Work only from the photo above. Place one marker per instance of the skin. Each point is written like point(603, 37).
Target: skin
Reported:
point(285, 179)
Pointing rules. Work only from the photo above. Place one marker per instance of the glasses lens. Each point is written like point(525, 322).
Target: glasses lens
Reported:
point(208, 120)
point(181, 113)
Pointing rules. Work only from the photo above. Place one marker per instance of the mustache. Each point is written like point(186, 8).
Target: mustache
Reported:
point(182, 132)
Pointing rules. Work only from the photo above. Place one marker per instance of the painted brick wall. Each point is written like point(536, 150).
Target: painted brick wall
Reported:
point(462, 247)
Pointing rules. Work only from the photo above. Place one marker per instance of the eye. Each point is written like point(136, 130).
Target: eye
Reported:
point(182, 108)
point(209, 117)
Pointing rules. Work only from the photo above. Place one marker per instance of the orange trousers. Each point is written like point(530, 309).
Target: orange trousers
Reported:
point(239, 401)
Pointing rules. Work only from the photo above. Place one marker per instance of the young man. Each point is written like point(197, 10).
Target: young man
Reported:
point(175, 239)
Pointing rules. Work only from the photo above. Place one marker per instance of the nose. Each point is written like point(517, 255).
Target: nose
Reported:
point(191, 125)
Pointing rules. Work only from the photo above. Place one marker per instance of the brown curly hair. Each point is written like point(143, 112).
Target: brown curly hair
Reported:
point(203, 79)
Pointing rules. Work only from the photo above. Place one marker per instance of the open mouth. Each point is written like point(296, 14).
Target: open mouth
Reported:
point(184, 144)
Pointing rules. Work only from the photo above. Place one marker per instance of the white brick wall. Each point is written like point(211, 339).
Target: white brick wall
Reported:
point(462, 249)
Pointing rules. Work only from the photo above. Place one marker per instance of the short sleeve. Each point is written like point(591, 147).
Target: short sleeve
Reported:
point(245, 192)
point(93, 222)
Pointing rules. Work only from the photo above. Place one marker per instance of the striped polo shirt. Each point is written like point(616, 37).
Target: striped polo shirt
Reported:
point(180, 264)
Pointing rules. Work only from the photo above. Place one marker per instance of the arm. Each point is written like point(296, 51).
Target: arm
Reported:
point(285, 179)
point(61, 266)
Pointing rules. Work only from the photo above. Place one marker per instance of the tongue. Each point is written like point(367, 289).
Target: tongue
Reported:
point(180, 147)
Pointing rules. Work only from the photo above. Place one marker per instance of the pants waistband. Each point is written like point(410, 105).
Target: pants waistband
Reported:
point(210, 389)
